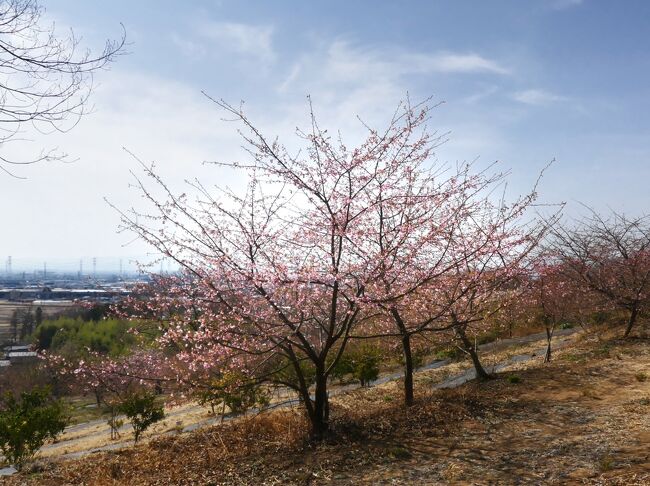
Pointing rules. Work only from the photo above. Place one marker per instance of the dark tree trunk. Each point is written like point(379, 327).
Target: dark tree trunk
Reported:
point(408, 357)
point(467, 345)
point(549, 337)
point(408, 370)
point(631, 321)
point(319, 414)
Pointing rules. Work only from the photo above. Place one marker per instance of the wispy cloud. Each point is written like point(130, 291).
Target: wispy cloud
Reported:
point(254, 41)
point(480, 95)
point(537, 97)
point(251, 40)
point(462, 63)
point(564, 4)
point(342, 63)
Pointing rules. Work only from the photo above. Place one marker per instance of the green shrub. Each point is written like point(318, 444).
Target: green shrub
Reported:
point(344, 366)
point(606, 463)
point(66, 335)
point(26, 423)
point(488, 336)
point(514, 379)
point(399, 452)
point(142, 411)
point(234, 391)
point(448, 353)
point(366, 364)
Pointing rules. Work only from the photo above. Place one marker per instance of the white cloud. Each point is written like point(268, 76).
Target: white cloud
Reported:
point(249, 40)
point(564, 4)
point(462, 63)
point(480, 95)
point(293, 74)
point(537, 97)
point(189, 47)
point(347, 61)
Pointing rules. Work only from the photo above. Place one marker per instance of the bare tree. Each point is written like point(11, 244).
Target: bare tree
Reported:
point(45, 79)
point(611, 256)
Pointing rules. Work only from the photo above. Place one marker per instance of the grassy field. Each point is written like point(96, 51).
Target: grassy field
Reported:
point(582, 419)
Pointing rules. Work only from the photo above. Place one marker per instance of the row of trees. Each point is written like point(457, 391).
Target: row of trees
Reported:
point(23, 322)
point(330, 246)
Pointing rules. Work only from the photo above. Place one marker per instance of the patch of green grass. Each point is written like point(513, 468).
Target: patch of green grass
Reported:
point(448, 353)
point(606, 463)
point(603, 351)
point(82, 409)
point(399, 452)
point(489, 336)
point(514, 379)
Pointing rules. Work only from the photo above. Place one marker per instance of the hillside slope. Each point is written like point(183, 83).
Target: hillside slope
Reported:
point(582, 419)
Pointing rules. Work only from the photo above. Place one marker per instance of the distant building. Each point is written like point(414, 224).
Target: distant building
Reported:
point(22, 357)
point(17, 348)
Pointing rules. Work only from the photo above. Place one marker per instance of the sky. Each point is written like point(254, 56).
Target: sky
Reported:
point(522, 83)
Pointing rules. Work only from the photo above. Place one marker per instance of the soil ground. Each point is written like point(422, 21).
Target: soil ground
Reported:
point(582, 419)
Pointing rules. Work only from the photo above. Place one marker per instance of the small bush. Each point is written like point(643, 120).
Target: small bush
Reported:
point(142, 411)
point(26, 423)
point(399, 452)
point(344, 366)
point(488, 336)
point(514, 379)
point(566, 325)
point(449, 353)
point(366, 364)
point(603, 351)
point(235, 391)
point(606, 463)
point(641, 376)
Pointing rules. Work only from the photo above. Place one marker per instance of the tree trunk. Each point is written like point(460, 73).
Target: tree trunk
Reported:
point(408, 370)
point(631, 322)
point(319, 415)
point(467, 344)
point(549, 337)
point(408, 356)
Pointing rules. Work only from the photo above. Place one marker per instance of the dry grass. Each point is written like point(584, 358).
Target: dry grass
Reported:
point(582, 419)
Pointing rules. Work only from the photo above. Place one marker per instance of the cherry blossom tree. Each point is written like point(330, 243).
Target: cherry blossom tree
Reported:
point(445, 252)
point(556, 296)
point(610, 256)
point(322, 247)
point(272, 280)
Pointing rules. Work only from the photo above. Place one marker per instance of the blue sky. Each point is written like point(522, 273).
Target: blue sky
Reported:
point(522, 83)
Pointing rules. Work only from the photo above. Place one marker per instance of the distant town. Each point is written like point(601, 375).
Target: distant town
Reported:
point(27, 297)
